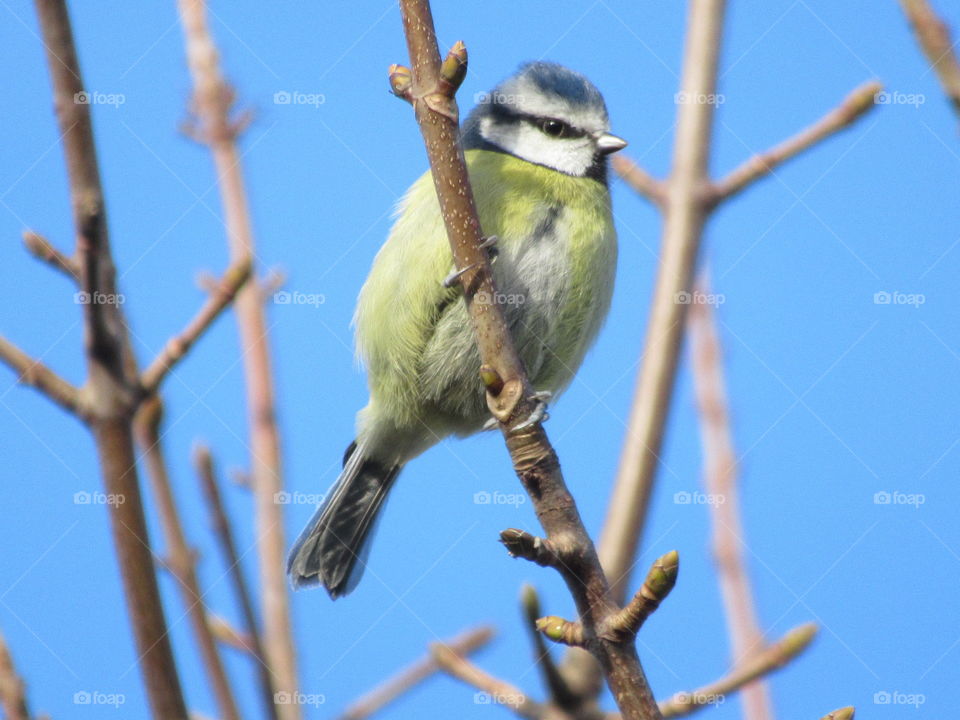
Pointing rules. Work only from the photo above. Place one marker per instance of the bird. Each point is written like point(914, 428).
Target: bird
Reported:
point(536, 148)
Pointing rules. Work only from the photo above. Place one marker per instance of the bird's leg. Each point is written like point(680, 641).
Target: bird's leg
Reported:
point(539, 414)
point(488, 244)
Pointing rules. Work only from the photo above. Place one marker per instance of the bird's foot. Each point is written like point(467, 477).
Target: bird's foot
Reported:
point(488, 244)
point(450, 280)
point(539, 413)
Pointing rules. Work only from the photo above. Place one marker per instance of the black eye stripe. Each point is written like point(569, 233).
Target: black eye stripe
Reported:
point(503, 113)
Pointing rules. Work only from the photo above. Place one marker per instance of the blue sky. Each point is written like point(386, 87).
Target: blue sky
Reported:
point(835, 398)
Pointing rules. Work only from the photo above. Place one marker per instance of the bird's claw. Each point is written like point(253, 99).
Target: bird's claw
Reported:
point(489, 244)
point(539, 413)
point(450, 280)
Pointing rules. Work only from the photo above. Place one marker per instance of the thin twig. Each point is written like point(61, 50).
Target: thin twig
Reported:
point(721, 478)
point(933, 35)
point(13, 693)
point(112, 376)
point(496, 691)
point(37, 375)
point(408, 678)
point(860, 101)
point(212, 100)
point(760, 665)
point(181, 559)
point(560, 694)
point(640, 180)
point(431, 89)
point(179, 345)
point(43, 250)
point(223, 530)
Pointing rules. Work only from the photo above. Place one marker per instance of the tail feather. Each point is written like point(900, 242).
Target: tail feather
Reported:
point(330, 551)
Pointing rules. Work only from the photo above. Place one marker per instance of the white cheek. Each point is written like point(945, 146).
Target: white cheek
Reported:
point(571, 156)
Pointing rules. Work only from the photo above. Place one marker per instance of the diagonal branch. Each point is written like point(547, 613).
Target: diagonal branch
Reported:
point(112, 377)
point(181, 559)
point(228, 546)
point(411, 676)
point(721, 479)
point(179, 345)
point(431, 87)
point(43, 250)
point(763, 663)
point(212, 99)
point(860, 101)
point(37, 375)
point(495, 691)
point(642, 182)
point(13, 694)
point(935, 41)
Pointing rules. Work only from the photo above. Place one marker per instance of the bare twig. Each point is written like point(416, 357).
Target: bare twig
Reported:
point(228, 546)
point(763, 663)
point(934, 38)
point(112, 377)
point(41, 249)
point(720, 477)
point(845, 713)
point(37, 375)
point(408, 678)
point(497, 691)
point(560, 694)
point(225, 633)
point(181, 559)
point(858, 102)
point(431, 87)
point(212, 99)
point(179, 345)
point(13, 694)
point(640, 180)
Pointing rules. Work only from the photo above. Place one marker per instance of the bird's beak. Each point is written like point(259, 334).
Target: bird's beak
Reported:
point(607, 143)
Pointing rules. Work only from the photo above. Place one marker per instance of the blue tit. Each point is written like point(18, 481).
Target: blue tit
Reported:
point(536, 149)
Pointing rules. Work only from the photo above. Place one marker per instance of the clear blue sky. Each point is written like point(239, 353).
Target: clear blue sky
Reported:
point(834, 398)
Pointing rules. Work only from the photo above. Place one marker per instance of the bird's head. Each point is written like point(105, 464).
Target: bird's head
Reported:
point(545, 114)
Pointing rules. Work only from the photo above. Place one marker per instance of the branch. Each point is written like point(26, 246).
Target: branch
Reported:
point(228, 546)
point(496, 691)
point(659, 582)
point(40, 248)
point(640, 180)
point(13, 694)
point(772, 658)
point(560, 694)
point(179, 345)
point(934, 39)
point(720, 479)
point(181, 559)
point(37, 375)
point(408, 678)
point(212, 99)
point(431, 86)
point(856, 104)
point(112, 377)
point(845, 713)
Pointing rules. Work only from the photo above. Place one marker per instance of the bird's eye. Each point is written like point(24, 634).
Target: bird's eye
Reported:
point(555, 128)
